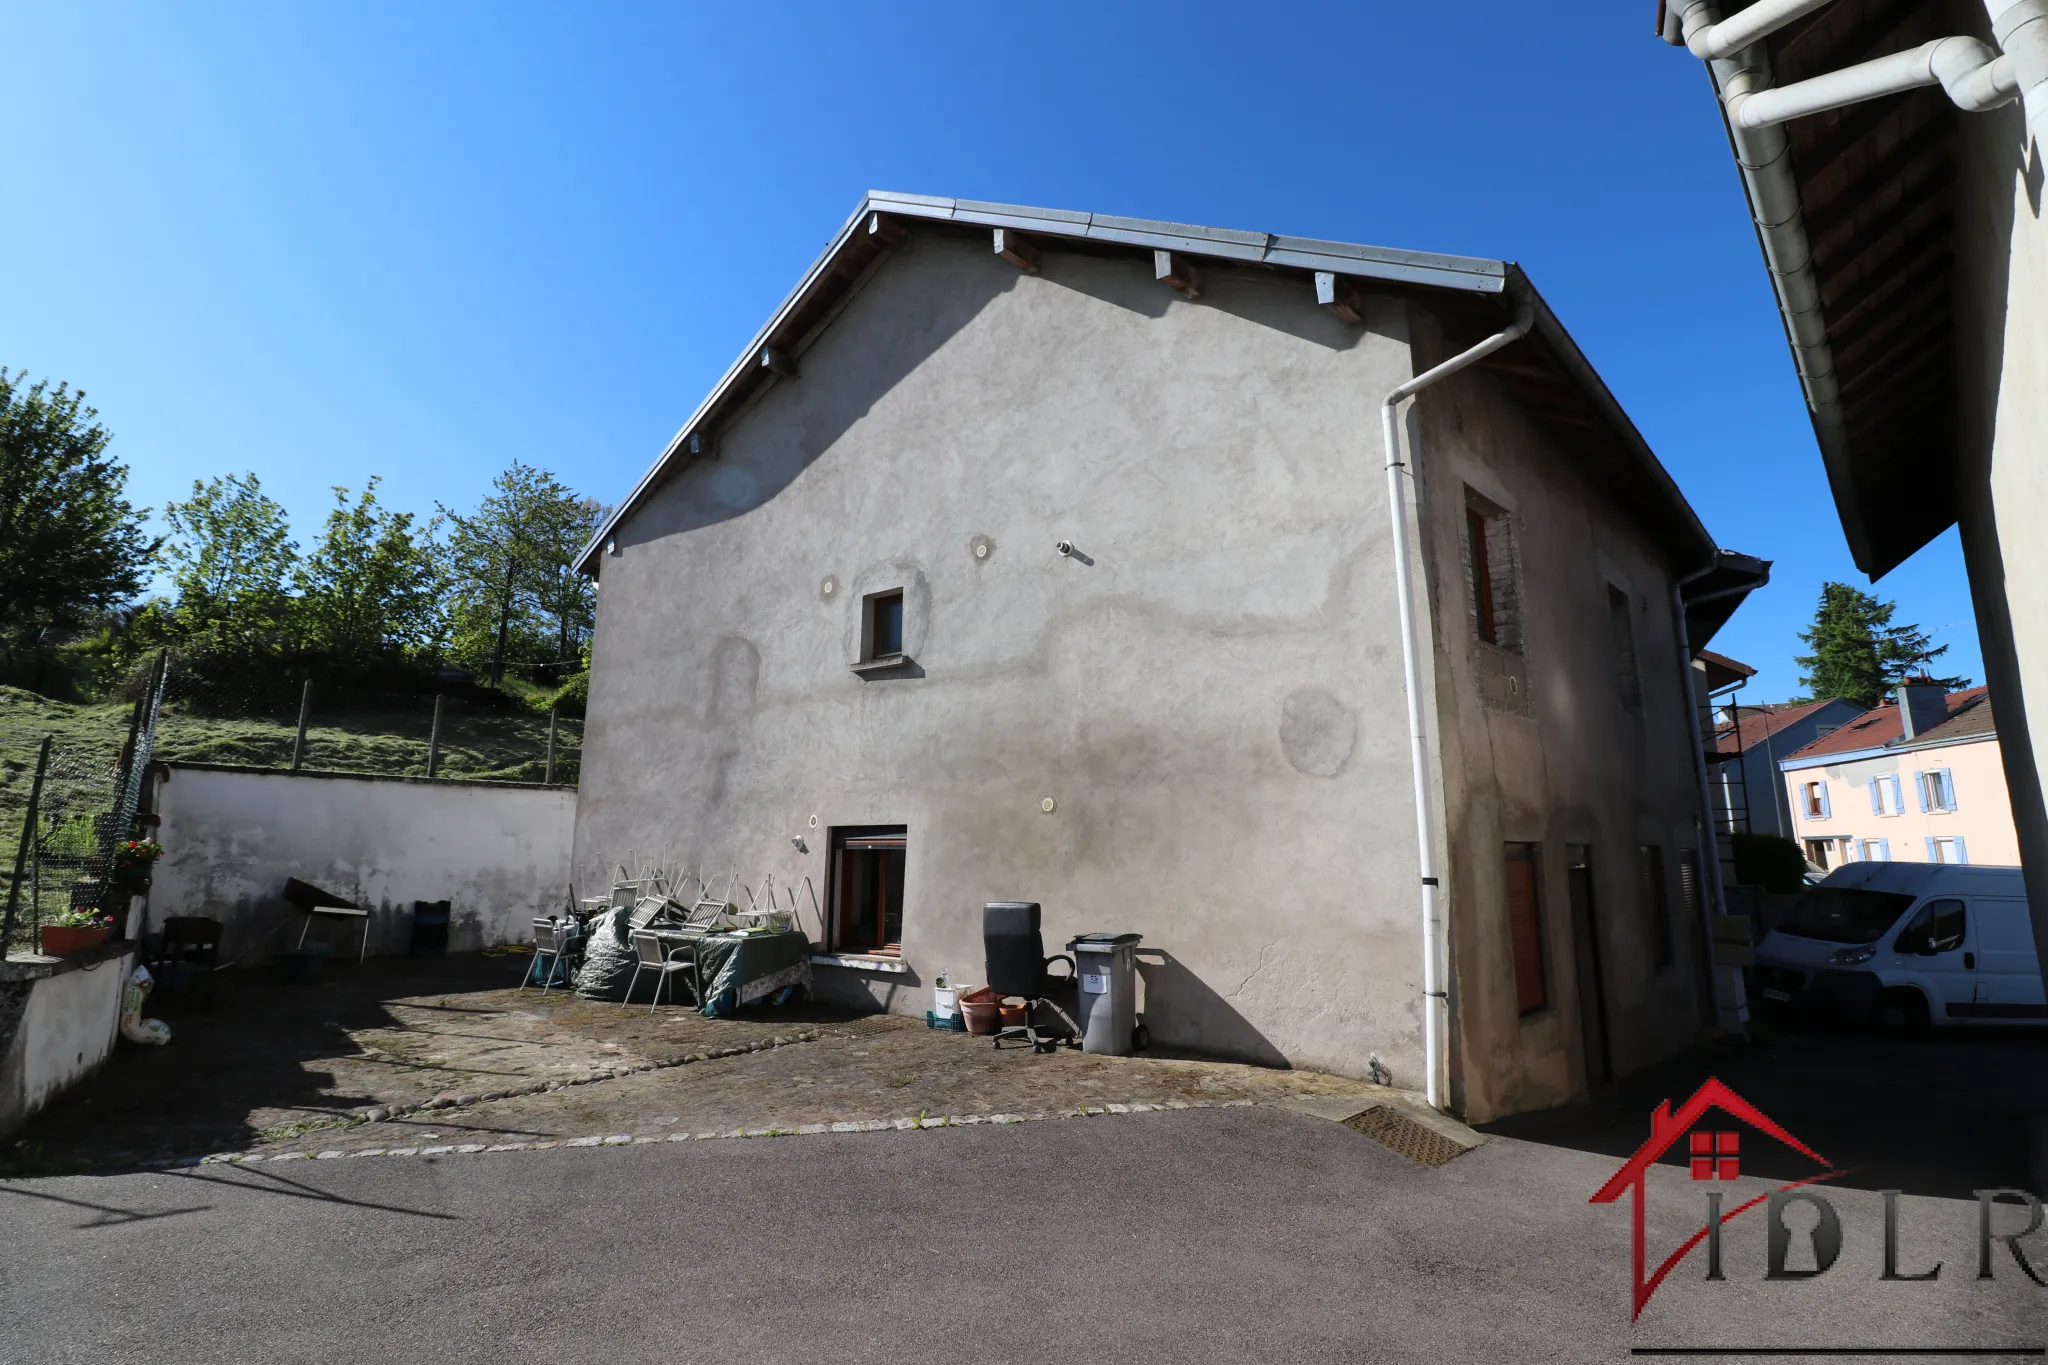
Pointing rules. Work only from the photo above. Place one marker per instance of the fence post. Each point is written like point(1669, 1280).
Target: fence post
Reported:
point(305, 710)
point(554, 714)
point(434, 739)
point(28, 834)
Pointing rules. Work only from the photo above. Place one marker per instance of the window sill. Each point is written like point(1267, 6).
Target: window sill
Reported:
point(886, 663)
point(860, 962)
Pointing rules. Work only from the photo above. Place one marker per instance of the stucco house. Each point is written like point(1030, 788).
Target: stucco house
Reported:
point(1920, 780)
point(1750, 741)
point(1027, 554)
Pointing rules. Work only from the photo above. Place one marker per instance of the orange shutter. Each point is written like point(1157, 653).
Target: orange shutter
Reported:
point(1525, 931)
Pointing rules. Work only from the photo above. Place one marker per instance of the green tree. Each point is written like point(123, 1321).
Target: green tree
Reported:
point(1858, 654)
point(370, 587)
point(232, 555)
point(515, 593)
point(70, 545)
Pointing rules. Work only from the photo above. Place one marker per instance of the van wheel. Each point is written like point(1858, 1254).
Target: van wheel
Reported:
point(1903, 1014)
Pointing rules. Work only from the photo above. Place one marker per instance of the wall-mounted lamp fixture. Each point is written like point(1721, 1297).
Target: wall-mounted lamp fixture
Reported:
point(796, 841)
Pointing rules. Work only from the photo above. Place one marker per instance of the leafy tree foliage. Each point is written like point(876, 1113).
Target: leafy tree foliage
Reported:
point(232, 556)
point(1858, 654)
point(71, 547)
point(370, 587)
point(516, 595)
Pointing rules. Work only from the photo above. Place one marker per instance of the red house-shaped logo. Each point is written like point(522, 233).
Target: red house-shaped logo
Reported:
point(1714, 1155)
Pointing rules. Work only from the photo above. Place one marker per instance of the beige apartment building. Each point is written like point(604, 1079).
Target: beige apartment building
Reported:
point(1920, 781)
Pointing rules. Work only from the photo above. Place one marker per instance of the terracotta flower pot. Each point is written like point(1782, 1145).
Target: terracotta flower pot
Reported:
point(62, 940)
point(1015, 1015)
point(979, 1010)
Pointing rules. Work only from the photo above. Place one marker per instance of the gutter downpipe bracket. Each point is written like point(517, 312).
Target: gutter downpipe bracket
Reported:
point(1435, 945)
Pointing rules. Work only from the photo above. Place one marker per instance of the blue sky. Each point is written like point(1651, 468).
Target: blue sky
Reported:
point(326, 242)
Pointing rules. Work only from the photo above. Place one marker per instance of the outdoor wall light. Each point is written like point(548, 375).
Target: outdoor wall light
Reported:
point(796, 841)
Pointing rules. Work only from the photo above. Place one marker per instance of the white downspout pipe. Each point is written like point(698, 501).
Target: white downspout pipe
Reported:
point(1435, 957)
point(1742, 78)
point(2021, 27)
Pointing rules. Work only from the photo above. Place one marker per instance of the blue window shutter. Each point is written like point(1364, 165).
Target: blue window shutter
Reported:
point(1824, 811)
point(1920, 793)
point(1884, 850)
point(1933, 853)
point(1948, 790)
point(1962, 853)
point(1876, 797)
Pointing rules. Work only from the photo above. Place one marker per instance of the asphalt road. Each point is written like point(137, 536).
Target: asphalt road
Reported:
point(1231, 1234)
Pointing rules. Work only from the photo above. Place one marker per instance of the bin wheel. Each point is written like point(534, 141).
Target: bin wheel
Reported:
point(1141, 1038)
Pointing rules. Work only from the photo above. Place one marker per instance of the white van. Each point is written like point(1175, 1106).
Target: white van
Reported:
point(1906, 945)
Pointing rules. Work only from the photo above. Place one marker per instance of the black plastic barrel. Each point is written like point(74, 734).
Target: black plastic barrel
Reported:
point(429, 928)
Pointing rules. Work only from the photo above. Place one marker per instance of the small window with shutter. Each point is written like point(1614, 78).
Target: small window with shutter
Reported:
point(1525, 928)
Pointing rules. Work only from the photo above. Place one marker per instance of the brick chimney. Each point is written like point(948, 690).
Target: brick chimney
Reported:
point(1923, 704)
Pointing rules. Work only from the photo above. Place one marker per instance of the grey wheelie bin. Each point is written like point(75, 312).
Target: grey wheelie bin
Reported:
point(1107, 968)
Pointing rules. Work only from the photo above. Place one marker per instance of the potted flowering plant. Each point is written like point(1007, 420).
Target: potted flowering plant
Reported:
point(75, 930)
point(133, 859)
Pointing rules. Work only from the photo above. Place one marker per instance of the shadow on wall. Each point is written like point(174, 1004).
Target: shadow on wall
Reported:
point(1183, 1012)
point(862, 358)
point(856, 363)
point(255, 929)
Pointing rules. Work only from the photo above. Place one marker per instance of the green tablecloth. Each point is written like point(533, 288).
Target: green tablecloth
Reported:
point(738, 969)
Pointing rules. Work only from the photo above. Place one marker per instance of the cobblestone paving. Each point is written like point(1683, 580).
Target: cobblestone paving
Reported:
point(399, 1054)
point(884, 1070)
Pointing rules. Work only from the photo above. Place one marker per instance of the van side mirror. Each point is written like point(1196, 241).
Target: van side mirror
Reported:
point(1913, 941)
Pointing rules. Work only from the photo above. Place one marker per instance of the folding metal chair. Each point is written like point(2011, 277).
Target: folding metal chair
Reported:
point(664, 962)
point(552, 938)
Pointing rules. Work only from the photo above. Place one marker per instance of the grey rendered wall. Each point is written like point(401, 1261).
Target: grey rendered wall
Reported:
point(1574, 767)
point(1208, 690)
point(499, 854)
point(2001, 245)
point(54, 1029)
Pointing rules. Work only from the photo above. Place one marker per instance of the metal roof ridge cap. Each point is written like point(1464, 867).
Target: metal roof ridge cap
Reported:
point(1317, 246)
point(1836, 756)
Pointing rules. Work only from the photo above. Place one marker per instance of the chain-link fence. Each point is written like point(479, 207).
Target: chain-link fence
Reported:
point(75, 854)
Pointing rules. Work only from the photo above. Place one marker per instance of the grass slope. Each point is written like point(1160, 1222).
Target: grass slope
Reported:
point(364, 737)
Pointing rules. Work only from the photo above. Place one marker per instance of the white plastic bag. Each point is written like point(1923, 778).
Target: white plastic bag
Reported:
point(134, 1027)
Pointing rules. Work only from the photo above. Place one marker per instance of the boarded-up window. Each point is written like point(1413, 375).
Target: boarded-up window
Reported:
point(1621, 643)
point(1492, 574)
point(1525, 927)
point(1656, 905)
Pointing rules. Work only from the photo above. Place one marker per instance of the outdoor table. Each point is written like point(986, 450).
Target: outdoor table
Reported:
point(735, 969)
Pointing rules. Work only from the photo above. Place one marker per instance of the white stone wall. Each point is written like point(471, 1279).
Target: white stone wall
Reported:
point(66, 1028)
point(499, 853)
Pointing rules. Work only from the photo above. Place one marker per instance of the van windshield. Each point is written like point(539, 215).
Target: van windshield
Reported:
point(1844, 914)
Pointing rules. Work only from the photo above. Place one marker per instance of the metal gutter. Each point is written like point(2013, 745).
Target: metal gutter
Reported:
point(1465, 274)
point(1797, 764)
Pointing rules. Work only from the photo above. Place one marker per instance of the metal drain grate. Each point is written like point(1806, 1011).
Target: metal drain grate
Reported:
point(1389, 1126)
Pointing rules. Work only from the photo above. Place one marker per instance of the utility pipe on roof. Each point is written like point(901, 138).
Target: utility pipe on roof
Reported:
point(1435, 954)
point(1708, 40)
point(1975, 76)
point(2021, 28)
